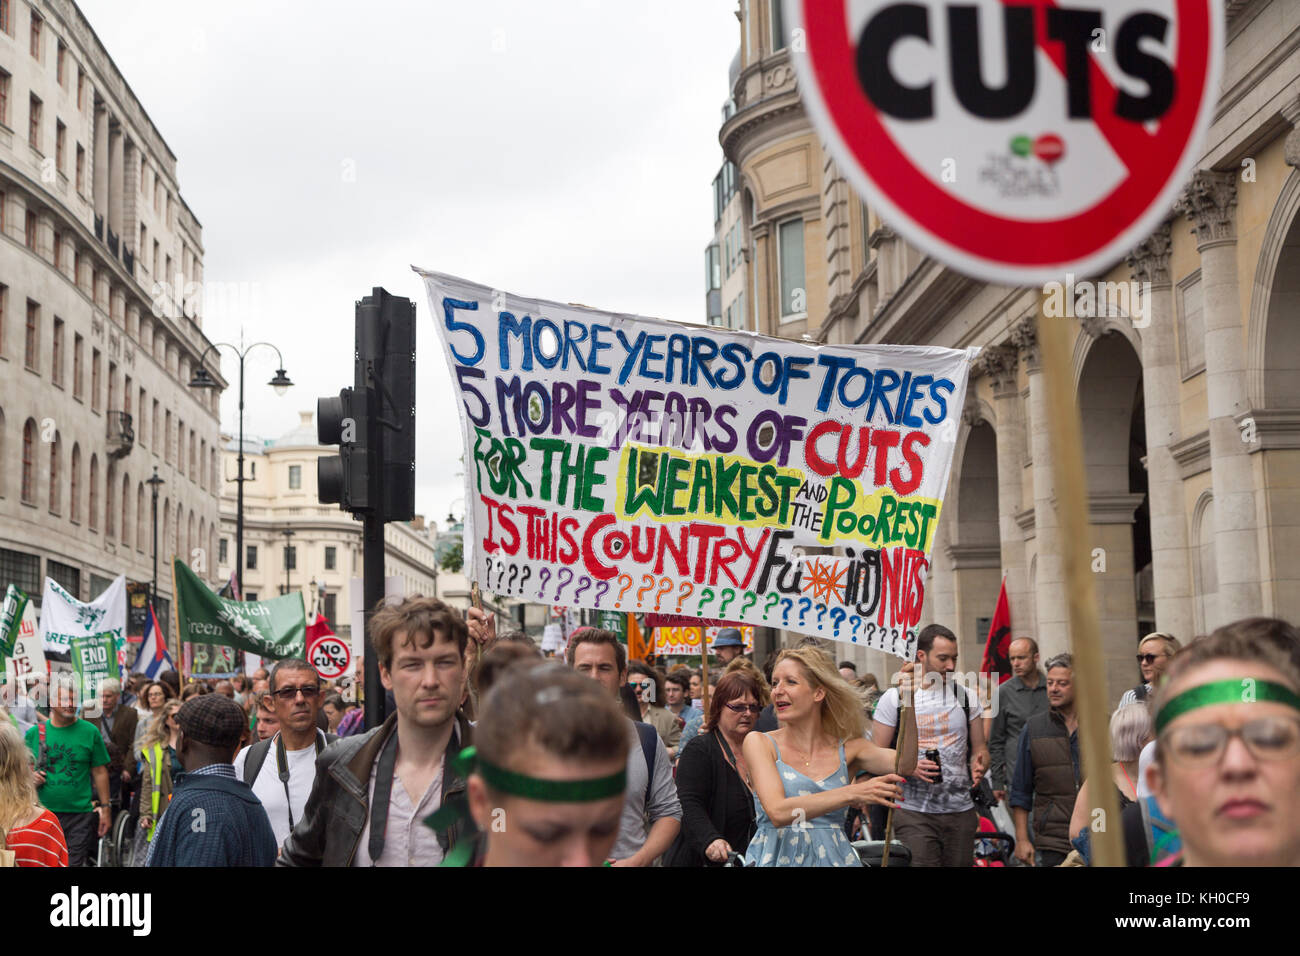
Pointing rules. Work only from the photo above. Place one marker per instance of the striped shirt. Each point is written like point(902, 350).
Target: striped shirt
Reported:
point(39, 843)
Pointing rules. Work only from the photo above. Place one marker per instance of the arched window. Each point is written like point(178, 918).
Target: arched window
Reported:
point(189, 538)
point(92, 511)
point(126, 511)
point(166, 527)
point(209, 557)
point(74, 487)
point(56, 473)
point(139, 517)
point(179, 543)
point(29, 462)
point(110, 486)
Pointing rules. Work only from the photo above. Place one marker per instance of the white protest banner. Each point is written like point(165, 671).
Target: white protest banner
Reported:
point(27, 661)
point(63, 617)
point(618, 462)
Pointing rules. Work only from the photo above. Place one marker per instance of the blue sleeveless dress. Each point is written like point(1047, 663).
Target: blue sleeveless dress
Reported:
point(817, 842)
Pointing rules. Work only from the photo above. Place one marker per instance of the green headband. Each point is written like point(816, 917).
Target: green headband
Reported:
point(549, 791)
point(1246, 690)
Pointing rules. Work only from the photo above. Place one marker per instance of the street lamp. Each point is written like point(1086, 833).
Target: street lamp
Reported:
point(154, 484)
point(287, 535)
point(281, 384)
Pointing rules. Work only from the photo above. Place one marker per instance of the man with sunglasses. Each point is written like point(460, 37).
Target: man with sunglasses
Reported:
point(282, 768)
point(1153, 656)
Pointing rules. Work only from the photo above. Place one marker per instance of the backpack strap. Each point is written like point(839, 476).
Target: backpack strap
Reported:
point(43, 760)
point(649, 745)
point(255, 758)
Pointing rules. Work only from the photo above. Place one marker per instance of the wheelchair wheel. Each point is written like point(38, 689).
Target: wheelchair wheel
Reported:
point(122, 837)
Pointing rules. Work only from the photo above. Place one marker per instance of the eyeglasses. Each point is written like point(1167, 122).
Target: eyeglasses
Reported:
point(743, 708)
point(1149, 658)
point(289, 693)
point(1202, 745)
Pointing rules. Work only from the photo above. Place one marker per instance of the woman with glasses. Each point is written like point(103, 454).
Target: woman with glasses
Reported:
point(713, 781)
point(1153, 656)
point(802, 771)
point(160, 766)
point(1227, 761)
point(153, 696)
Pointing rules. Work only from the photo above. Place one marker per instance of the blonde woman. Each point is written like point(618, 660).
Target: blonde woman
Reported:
point(29, 831)
point(802, 772)
point(160, 766)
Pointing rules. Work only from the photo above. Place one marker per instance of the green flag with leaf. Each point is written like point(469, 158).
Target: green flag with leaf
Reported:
point(11, 619)
point(275, 628)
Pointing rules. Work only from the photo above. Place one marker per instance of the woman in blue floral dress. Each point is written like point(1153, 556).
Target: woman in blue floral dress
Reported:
point(802, 773)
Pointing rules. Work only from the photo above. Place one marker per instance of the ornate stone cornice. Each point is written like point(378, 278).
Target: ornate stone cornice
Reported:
point(1149, 260)
point(999, 363)
point(1093, 325)
point(971, 414)
point(882, 233)
point(1291, 113)
point(1210, 202)
point(1024, 338)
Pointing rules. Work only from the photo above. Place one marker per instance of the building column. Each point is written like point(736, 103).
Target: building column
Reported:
point(99, 162)
point(1210, 202)
point(1001, 364)
point(1049, 586)
point(1161, 378)
point(940, 604)
point(116, 185)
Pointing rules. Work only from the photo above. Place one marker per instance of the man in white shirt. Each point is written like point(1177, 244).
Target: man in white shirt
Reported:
point(282, 768)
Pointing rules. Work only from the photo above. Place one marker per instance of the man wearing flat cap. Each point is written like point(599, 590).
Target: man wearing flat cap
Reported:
point(214, 819)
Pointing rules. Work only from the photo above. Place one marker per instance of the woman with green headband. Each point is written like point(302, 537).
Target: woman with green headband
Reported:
point(547, 777)
point(1227, 765)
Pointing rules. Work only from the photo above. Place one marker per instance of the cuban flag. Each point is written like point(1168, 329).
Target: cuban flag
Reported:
point(152, 658)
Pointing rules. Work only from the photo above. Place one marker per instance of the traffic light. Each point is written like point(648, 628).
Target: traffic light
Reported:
point(373, 423)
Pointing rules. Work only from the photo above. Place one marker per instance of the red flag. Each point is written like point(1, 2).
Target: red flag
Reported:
point(997, 648)
point(317, 629)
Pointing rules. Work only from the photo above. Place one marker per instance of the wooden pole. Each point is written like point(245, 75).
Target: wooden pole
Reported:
point(898, 760)
point(704, 669)
point(1072, 511)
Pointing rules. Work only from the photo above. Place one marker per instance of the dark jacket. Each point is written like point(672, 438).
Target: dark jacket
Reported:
point(1048, 769)
point(339, 805)
point(1015, 704)
point(716, 804)
point(213, 821)
point(121, 739)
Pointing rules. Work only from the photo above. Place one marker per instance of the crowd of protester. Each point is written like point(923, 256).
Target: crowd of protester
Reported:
point(493, 754)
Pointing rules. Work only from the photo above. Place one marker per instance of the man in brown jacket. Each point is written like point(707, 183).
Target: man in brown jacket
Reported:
point(1047, 772)
point(116, 723)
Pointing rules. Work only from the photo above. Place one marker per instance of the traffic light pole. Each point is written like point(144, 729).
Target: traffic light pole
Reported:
point(373, 581)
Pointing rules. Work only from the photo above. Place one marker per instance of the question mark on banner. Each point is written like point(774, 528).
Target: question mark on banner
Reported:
point(805, 604)
point(647, 582)
point(514, 573)
point(523, 578)
point(771, 602)
point(501, 573)
point(786, 603)
point(706, 596)
point(871, 631)
point(584, 582)
point(563, 584)
point(857, 622)
point(821, 616)
point(488, 576)
point(838, 614)
point(750, 600)
point(628, 579)
point(665, 586)
point(728, 595)
point(686, 590)
point(545, 575)
point(602, 588)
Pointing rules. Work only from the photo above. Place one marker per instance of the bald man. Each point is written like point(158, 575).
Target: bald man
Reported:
point(1014, 702)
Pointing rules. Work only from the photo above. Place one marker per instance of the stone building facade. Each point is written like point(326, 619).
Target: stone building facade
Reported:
point(100, 260)
point(1190, 403)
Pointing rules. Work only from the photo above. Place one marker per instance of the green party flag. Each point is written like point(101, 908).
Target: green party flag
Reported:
point(11, 619)
point(275, 628)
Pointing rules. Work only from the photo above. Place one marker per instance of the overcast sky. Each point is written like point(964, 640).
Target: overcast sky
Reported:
point(561, 150)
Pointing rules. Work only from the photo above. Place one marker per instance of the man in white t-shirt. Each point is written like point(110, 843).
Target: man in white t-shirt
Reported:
point(937, 821)
point(282, 768)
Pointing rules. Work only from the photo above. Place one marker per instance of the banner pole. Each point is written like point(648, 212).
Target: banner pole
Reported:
point(898, 759)
point(1071, 506)
point(176, 624)
point(704, 669)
